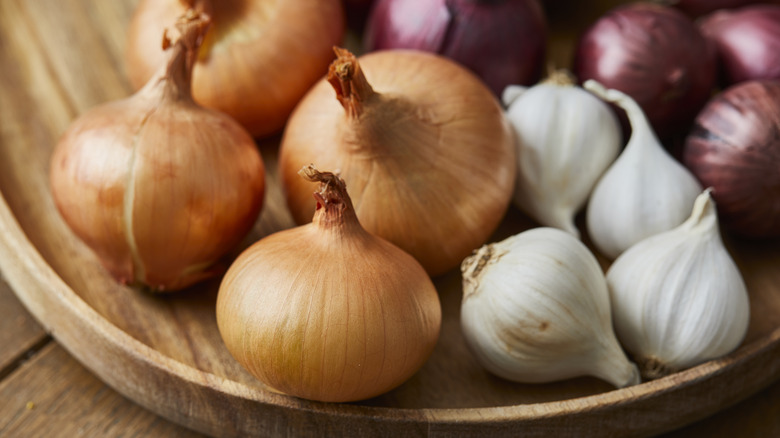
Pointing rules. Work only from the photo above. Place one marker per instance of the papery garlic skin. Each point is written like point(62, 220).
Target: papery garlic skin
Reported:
point(536, 309)
point(678, 298)
point(567, 138)
point(645, 191)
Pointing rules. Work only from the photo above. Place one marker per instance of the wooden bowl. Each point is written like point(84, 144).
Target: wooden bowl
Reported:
point(165, 353)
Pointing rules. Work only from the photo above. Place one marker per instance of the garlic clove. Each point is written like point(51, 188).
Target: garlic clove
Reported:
point(567, 138)
point(678, 297)
point(511, 93)
point(536, 309)
point(645, 191)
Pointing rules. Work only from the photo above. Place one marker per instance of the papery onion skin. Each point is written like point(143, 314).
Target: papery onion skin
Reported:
point(326, 311)
point(430, 162)
point(656, 55)
point(258, 60)
point(747, 41)
point(502, 41)
point(734, 147)
point(158, 187)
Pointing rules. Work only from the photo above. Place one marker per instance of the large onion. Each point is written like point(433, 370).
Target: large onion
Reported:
point(158, 187)
point(259, 58)
point(734, 148)
point(747, 41)
point(656, 55)
point(502, 41)
point(425, 148)
point(327, 311)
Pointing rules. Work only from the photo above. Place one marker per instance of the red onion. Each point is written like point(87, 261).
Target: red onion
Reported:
point(747, 41)
point(656, 55)
point(502, 41)
point(734, 147)
point(697, 8)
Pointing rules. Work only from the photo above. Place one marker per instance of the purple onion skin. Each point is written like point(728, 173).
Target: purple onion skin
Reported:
point(747, 41)
point(734, 147)
point(502, 41)
point(697, 8)
point(656, 55)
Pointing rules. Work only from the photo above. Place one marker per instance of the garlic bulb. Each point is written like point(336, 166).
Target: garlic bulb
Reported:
point(645, 191)
point(536, 309)
point(678, 298)
point(566, 140)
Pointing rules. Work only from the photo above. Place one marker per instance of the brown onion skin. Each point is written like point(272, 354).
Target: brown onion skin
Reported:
point(502, 41)
point(191, 180)
point(656, 55)
point(429, 162)
point(327, 311)
point(256, 63)
point(747, 41)
point(734, 147)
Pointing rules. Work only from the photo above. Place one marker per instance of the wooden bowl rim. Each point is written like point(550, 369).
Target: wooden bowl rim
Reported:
point(21, 258)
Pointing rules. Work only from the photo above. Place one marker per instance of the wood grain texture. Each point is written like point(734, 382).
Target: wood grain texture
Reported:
point(73, 402)
point(55, 389)
point(19, 333)
point(164, 352)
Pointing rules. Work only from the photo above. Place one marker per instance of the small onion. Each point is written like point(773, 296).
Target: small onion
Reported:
point(159, 187)
point(502, 41)
point(426, 148)
point(656, 55)
point(734, 147)
point(258, 60)
point(327, 311)
point(747, 41)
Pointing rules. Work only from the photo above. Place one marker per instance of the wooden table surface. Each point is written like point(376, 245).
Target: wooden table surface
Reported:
point(44, 392)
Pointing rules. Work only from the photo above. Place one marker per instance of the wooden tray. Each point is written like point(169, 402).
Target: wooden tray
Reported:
point(59, 58)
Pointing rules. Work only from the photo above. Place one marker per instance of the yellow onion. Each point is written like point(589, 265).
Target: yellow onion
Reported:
point(258, 60)
point(326, 311)
point(425, 147)
point(157, 186)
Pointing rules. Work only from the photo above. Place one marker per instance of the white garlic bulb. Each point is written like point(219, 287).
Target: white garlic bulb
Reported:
point(678, 299)
point(645, 191)
point(567, 138)
point(536, 309)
